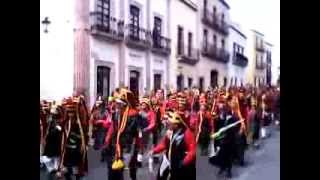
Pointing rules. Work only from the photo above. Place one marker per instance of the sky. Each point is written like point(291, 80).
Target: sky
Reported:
point(263, 16)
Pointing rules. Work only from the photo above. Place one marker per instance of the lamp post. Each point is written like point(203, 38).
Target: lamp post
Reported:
point(45, 23)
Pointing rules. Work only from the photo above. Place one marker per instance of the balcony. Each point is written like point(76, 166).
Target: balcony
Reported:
point(137, 37)
point(161, 45)
point(260, 66)
point(240, 60)
point(213, 53)
point(188, 55)
point(260, 47)
point(213, 21)
point(106, 27)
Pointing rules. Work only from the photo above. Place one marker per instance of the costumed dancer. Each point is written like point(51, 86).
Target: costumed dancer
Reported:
point(226, 141)
point(147, 121)
point(180, 151)
point(125, 136)
point(204, 126)
point(73, 158)
point(52, 140)
point(100, 122)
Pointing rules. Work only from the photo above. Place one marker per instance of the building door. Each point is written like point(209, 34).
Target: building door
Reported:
point(214, 78)
point(201, 84)
point(190, 82)
point(103, 81)
point(225, 82)
point(180, 82)
point(157, 81)
point(134, 82)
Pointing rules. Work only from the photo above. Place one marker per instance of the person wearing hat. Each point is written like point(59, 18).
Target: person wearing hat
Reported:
point(73, 158)
point(179, 146)
point(52, 140)
point(147, 119)
point(254, 123)
point(124, 136)
point(100, 122)
point(203, 126)
point(242, 135)
point(226, 141)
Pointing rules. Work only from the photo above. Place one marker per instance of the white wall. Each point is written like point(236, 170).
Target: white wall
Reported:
point(186, 17)
point(234, 70)
point(56, 49)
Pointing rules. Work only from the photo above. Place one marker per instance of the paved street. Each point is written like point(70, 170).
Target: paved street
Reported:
point(263, 164)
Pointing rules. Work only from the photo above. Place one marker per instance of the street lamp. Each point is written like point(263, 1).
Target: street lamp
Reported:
point(45, 23)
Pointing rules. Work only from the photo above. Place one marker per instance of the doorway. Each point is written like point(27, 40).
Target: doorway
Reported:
point(157, 81)
point(214, 78)
point(134, 82)
point(103, 81)
point(180, 82)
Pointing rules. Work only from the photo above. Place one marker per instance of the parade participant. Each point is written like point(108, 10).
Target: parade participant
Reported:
point(180, 151)
point(52, 140)
point(100, 122)
point(44, 113)
point(124, 136)
point(182, 110)
point(148, 126)
point(242, 113)
point(254, 123)
point(204, 126)
point(74, 140)
point(226, 141)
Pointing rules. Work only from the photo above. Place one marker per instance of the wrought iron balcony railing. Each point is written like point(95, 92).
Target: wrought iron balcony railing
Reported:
point(216, 54)
point(137, 37)
point(161, 45)
point(240, 60)
point(260, 47)
point(260, 66)
point(212, 20)
point(188, 55)
point(106, 27)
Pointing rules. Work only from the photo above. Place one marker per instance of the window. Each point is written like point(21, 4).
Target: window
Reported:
point(189, 43)
point(205, 4)
point(222, 19)
point(222, 44)
point(214, 41)
point(180, 40)
point(134, 22)
point(103, 7)
point(205, 39)
point(157, 32)
point(103, 81)
point(214, 13)
point(190, 82)
point(214, 78)
point(235, 81)
point(234, 49)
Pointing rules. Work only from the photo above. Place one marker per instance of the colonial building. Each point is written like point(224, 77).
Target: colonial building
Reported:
point(214, 42)
point(268, 63)
point(256, 73)
point(185, 52)
point(238, 60)
point(105, 44)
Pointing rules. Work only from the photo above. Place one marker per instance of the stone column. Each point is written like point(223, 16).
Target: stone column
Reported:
point(82, 48)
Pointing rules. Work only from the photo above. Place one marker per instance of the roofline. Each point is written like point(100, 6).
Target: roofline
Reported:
point(190, 4)
point(225, 3)
point(238, 31)
point(269, 44)
point(257, 32)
